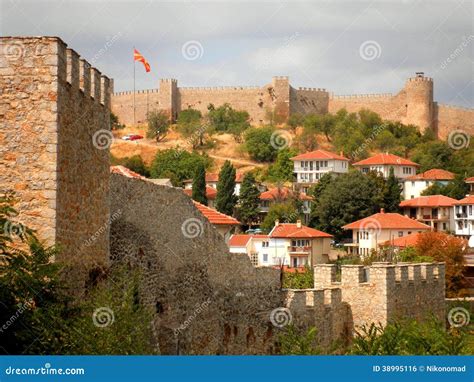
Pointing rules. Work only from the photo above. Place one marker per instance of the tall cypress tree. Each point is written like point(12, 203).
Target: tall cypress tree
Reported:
point(199, 185)
point(249, 200)
point(225, 198)
point(392, 195)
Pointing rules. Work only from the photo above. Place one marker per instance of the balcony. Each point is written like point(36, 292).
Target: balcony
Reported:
point(461, 215)
point(304, 250)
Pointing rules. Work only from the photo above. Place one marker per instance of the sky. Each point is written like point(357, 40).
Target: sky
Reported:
point(346, 47)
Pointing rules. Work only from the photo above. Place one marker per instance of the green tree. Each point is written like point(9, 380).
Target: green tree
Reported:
point(158, 125)
point(177, 165)
point(225, 198)
point(321, 123)
point(191, 126)
point(295, 120)
point(115, 123)
point(136, 164)
point(224, 119)
point(199, 185)
point(392, 194)
point(282, 169)
point(249, 200)
point(285, 212)
point(433, 154)
point(294, 341)
point(258, 143)
point(347, 198)
point(456, 189)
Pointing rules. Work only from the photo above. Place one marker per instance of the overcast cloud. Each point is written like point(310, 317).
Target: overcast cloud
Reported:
point(317, 43)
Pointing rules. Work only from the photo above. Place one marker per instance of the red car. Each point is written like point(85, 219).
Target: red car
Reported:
point(132, 137)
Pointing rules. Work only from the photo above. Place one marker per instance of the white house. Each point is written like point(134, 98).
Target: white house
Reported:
point(370, 232)
point(213, 179)
point(464, 218)
point(289, 244)
point(310, 167)
point(382, 163)
point(435, 210)
point(470, 182)
point(414, 185)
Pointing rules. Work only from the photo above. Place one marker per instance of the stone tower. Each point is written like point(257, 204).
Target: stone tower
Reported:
point(169, 97)
point(281, 98)
point(54, 136)
point(419, 101)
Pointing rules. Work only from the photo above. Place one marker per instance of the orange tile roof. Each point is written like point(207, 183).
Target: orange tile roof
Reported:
point(470, 180)
point(241, 240)
point(384, 220)
point(318, 155)
point(122, 170)
point(429, 201)
point(404, 241)
point(467, 200)
point(282, 193)
point(215, 217)
point(211, 192)
point(433, 174)
point(291, 230)
point(389, 159)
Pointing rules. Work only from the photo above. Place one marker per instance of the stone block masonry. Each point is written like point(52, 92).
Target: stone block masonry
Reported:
point(413, 104)
point(52, 104)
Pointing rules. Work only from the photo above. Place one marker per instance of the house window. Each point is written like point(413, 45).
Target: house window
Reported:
point(265, 258)
point(400, 233)
point(265, 244)
point(254, 259)
point(444, 226)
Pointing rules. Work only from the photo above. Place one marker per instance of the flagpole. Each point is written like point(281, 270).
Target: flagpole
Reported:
point(134, 86)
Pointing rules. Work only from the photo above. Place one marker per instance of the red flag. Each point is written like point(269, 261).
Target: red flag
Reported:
point(138, 57)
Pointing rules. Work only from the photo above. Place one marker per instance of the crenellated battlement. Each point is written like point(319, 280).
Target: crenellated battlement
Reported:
point(220, 88)
point(420, 79)
point(313, 89)
point(454, 107)
point(361, 96)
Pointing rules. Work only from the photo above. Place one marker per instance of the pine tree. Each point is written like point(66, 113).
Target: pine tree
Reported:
point(249, 200)
point(199, 185)
point(225, 199)
point(392, 194)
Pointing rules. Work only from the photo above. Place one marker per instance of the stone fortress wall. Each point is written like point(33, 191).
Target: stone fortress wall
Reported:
point(413, 104)
point(206, 300)
point(51, 105)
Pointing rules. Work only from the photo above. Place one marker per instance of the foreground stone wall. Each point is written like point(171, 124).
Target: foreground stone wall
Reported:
point(413, 104)
point(52, 105)
point(207, 301)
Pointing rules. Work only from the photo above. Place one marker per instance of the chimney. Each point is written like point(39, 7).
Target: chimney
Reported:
point(382, 210)
point(277, 223)
point(341, 153)
point(298, 223)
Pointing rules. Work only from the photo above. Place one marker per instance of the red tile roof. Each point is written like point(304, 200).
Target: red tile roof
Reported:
point(433, 174)
point(211, 192)
point(470, 180)
point(319, 155)
point(388, 159)
point(215, 217)
point(282, 193)
point(384, 220)
point(467, 200)
point(242, 240)
point(429, 201)
point(404, 241)
point(122, 170)
point(291, 230)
